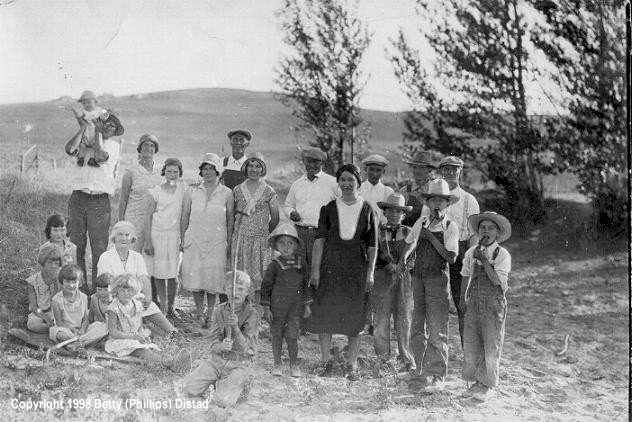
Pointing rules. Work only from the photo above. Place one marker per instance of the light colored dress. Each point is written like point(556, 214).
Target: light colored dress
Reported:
point(206, 240)
point(254, 254)
point(129, 322)
point(165, 232)
point(137, 204)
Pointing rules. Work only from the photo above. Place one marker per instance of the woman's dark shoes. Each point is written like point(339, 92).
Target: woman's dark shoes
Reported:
point(173, 314)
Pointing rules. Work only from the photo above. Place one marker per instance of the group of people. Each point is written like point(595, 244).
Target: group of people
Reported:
point(350, 256)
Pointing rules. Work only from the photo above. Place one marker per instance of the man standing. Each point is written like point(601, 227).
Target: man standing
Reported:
point(423, 171)
point(372, 189)
point(459, 212)
point(306, 197)
point(231, 165)
point(89, 205)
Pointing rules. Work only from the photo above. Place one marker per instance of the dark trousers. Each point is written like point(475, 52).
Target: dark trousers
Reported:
point(307, 236)
point(89, 215)
point(455, 284)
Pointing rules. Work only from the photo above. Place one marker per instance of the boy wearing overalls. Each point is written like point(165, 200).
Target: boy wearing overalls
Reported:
point(485, 270)
point(436, 241)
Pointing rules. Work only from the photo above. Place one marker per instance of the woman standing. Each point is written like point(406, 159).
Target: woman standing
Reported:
point(206, 227)
point(257, 213)
point(162, 246)
point(343, 258)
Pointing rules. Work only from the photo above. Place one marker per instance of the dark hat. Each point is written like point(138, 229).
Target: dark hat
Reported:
point(395, 201)
point(420, 159)
point(119, 127)
point(148, 138)
point(314, 153)
point(255, 156)
point(246, 134)
point(504, 226)
point(439, 188)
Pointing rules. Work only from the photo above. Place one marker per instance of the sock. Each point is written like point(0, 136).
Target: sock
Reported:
point(277, 345)
point(292, 349)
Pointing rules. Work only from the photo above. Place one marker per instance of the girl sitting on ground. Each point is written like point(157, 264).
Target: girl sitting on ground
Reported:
point(100, 301)
point(42, 286)
point(125, 326)
point(55, 232)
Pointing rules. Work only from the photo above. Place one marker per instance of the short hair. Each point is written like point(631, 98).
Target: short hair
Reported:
point(125, 281)
point(48, 251)
point(351, 168)
point(242, 278)
point(104, 280)
point(204, 164)
point(70, 272)
point(55, 220)
point(171, 162)
point(123, 224)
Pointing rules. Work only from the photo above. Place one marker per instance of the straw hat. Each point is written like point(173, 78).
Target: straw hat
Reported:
point(395, 201)
point(87, 95)
point(284, 229)
point(439, 188)
point(255, 156)
point(420, 159)
point(376, 159)
point(148, 138)
point(504, 226)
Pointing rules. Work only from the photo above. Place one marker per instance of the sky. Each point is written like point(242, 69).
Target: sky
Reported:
point(121, 47)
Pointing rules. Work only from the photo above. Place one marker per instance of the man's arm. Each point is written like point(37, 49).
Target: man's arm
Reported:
point(126, 187)
point(73, 144)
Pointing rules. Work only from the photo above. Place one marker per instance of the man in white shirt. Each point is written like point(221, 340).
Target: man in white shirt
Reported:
point(308, 195)
point(89, 208)
point(450, 168)
point(372, 189)
point(231, 165)
point(423, 168)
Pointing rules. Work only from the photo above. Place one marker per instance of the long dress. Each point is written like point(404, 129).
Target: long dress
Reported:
point(254, 253)
point(206, 240)
point(340, 301)
point(165, 232)
point(137, 204)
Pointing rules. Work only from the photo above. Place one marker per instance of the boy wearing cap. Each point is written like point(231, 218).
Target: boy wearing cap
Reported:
point(423, 172)
point(485, 271)
point(285, 295)
point(467, 206)
point(308, 195)
point(41, 287)
point(91, 146)
point(231, 165)
point(435, 239)
point(228, 366)
point(372, 189)
point(392, 292)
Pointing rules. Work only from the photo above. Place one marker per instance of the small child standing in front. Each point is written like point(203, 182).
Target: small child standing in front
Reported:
point(125, 327)
point(70, 310)
point(485, 268)
point(90, 147)
point(285, 295)
point(56, 234)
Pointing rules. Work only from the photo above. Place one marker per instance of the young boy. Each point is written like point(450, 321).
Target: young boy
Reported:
point(228, 367)
point(392, 292)
point(436, 241)
point(372, 189)
point(285, 295)
point(42, 286)
point(70, 309)
point(485, 271)
point(90, 147)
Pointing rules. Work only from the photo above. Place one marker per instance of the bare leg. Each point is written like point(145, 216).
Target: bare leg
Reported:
point(354, 349)
point(210, 298)
point(198, 297)
point(161, 291)
point(325, 347)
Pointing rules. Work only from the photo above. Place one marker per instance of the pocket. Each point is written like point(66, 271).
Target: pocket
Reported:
point(498, 307)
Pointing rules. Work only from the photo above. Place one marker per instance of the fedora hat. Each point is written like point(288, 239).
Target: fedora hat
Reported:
point(504, 226)
point(421, 158)
point(284, 229)
point(148, 138)
point(376, 159)
point(255, 156)
point(245, 133)
point(87, 95)
point(441, 189)
point(395, 201)
point(314, 153)
point(451, 160)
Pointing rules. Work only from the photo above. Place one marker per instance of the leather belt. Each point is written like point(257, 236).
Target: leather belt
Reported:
point(92, 195)
point(306, 227)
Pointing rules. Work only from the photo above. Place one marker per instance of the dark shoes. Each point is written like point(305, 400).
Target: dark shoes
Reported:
point(93, 163)
point(436, 385)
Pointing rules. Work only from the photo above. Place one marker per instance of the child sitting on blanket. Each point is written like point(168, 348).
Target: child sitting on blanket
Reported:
point(125, 326)
point(101, 300)
point(70, 309)
point(90, 147)
point(42, 286)
point(285, 295)
point(485, 270)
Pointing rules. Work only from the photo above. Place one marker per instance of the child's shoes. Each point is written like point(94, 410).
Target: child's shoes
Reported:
point(276, 371)
point(93, 163)
point(80, 161)
point(295, 371)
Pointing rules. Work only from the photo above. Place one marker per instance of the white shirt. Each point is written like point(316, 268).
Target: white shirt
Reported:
point(110, 262)
point(374, 194)
point(348, 218)
point(100, 179)
point(450, 232)
point(462, 210)
point(233, 164)
point(502, 263)
point(308, 197)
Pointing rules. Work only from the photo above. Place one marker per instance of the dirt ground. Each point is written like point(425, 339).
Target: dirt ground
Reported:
point(553, 295)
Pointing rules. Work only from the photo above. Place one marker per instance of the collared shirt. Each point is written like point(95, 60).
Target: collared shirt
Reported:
point(501, 264)
point(100, 179)
point(450, 232)
point(374, 194)
point(43, 292)
point(248, 322)
point(462, 210)
point(233, 164)
point(308, 197)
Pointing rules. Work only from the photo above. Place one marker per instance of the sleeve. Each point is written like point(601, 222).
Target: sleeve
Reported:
point(154, 193)
point(290, 200)
point(250, 332)
point(451, 238)
point(103, 266)
point(370, 238)
point(468, 263)
point(141, 267)
point(413, 234)
point(323, 222)
point(268, 283)
point(91, 309)
point(502, 264)
point(270, 194)
point(217, 327)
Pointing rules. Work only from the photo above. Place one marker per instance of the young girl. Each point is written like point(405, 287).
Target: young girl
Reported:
point(285, 295)
point(100, 301)
point(70, 309)
point(162, 246)
point(55, 232)
point(125, 326)
point(42, 286)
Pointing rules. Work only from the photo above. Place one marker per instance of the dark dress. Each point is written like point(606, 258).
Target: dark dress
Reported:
point(340, 301)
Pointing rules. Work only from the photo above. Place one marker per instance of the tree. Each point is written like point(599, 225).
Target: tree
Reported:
point(584, 40)
point(320, 77)
point(483, 61)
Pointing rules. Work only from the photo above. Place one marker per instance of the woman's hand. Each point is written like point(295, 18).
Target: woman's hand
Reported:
point(314, 280)
point(369, 282)
point(307, 312)
point(149, 248)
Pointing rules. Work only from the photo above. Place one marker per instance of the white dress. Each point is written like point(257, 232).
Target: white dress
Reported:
point(129, 322)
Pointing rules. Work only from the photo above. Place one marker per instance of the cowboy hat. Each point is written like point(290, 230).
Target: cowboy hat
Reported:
point(376, 159)
point(255, 156)
point(284, 229)
point(421, 158)
point(439, 188)
point(395, 201)
point(504, 226)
